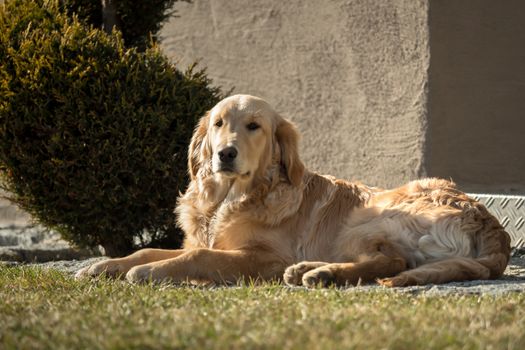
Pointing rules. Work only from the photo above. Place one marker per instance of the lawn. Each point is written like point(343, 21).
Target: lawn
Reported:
point(48, 309)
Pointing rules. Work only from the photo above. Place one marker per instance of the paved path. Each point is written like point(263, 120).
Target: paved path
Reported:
point(23, 241)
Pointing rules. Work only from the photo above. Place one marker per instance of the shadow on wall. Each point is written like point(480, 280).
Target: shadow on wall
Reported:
point(476, 131)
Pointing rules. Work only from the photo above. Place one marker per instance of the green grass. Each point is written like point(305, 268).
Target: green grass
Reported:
point(46, 309)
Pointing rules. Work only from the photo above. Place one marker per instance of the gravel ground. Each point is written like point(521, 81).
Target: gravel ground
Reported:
point(22, 243)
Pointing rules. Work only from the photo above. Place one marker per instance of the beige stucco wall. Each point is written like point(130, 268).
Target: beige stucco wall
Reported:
point(351, 74)
point(476, 132)
point(384, 91)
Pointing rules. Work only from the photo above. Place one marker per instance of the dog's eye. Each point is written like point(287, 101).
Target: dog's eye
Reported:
point(253, 126)
point(218, 123)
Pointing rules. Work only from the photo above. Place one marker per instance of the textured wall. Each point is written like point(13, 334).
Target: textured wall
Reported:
point(351, 74)
point(476, 131)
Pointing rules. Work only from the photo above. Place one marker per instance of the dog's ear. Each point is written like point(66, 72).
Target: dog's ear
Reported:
point(199, 151)
point(288, 139)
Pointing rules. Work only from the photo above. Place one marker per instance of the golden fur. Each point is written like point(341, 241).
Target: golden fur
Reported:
point(261, 215)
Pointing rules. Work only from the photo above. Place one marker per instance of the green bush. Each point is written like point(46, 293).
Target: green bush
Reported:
point(139, 20)
point(93, 136)
point(89, 11)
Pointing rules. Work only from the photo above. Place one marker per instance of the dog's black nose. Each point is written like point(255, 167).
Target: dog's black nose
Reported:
point(228, 154)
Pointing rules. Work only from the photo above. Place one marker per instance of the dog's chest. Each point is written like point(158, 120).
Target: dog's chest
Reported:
point(220, 225)
point(234, 226)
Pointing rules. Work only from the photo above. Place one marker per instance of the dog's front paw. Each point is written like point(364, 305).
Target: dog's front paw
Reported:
point(147, 273)
point(140, 274)
point(110, 268)
point(82, 273)
point(293, 275)
point(320, 277)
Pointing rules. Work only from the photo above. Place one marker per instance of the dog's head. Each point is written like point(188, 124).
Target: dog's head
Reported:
point(240, 138)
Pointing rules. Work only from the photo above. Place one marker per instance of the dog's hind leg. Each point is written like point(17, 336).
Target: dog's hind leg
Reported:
point(365, 271)
point(449, 270)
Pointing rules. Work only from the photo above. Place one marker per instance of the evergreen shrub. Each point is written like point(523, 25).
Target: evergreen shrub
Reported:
point(139, 21)
point(93, 136)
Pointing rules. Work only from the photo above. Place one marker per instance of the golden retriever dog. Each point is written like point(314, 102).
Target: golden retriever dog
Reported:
point(252, 211)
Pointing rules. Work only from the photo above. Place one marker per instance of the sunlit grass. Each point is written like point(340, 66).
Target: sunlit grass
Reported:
point(49, 309)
